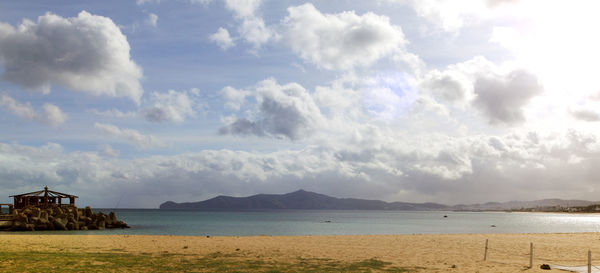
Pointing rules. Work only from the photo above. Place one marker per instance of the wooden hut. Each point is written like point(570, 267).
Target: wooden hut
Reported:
point(42, 199)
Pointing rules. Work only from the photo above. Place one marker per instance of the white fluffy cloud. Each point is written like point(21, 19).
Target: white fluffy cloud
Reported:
point(172, 106)
point(131, 136)
point(343, 40)
point(51, 115)
point(234, 98)
point(280, 111)
point(222, 39)
point(86, 53)
point(252, 27)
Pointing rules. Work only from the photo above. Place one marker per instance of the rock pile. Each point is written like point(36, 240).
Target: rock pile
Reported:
point(63, 218)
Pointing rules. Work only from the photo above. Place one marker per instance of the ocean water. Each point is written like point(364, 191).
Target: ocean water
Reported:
point(318, 222)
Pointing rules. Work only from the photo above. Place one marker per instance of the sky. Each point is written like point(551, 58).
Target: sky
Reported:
point(133, 103)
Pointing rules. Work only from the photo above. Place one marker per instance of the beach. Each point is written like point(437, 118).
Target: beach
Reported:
point(411, 253)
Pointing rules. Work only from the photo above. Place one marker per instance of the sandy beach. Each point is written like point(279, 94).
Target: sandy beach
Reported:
point(413, 253)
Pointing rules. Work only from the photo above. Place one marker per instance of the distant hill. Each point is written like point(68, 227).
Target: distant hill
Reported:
point(314, 201)
point(297, 200)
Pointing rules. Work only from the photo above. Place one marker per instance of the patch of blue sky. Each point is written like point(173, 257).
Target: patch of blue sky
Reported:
point(389, 96)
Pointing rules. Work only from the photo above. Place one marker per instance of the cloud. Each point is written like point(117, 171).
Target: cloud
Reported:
point(172, 106)
point(452, 15)
point(499, 92)
point(52, 114)
point(142, 2)
point(454, 84)
point(86, 53)
point(280, 111)
point(449, 86)
point(585, 115)
point(222, 39)
point(114, 113)
point(243, 8)
point(108, 150)
point(252, 27)
point(18, 109)
point(132, 136)
point(201, 2)
point(426, 168)
point(502, 98)
point(152, 20)
point(343, 40)
point(234, 98)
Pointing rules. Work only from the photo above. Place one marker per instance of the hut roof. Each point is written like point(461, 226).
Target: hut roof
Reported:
point(42, 192)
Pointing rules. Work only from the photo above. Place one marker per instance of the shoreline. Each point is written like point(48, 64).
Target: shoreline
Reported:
point(416, 253)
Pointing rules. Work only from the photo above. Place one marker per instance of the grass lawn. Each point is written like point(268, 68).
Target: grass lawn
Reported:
point(118, 261)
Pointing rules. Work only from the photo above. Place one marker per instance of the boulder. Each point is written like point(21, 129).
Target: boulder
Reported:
point(35, 212)
point(59, 224)
point(34, 220)
point(75, 215)
point(88, 211)
point(101, 224)
point(21, 217)
point(44, 216)
point(26, 211)
point(121, 224)
point(112, 218)
point(58, 211)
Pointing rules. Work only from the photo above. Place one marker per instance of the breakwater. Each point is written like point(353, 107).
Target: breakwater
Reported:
point(59, 218)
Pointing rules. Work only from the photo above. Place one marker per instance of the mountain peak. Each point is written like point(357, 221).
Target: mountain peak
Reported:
point(300, 191)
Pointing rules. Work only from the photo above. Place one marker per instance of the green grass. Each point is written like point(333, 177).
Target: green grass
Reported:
point(215, 262)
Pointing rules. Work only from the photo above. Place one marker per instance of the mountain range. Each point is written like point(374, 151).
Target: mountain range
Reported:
point(306, 200)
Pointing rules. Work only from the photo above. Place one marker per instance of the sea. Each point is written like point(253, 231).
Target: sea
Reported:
point(340, 222)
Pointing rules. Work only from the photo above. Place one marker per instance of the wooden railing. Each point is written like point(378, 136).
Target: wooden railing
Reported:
point(10, 207)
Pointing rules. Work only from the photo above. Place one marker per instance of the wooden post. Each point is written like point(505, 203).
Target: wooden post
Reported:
point(589, 261)
point(530, 255)
point(485, 251)
point(45, 197)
